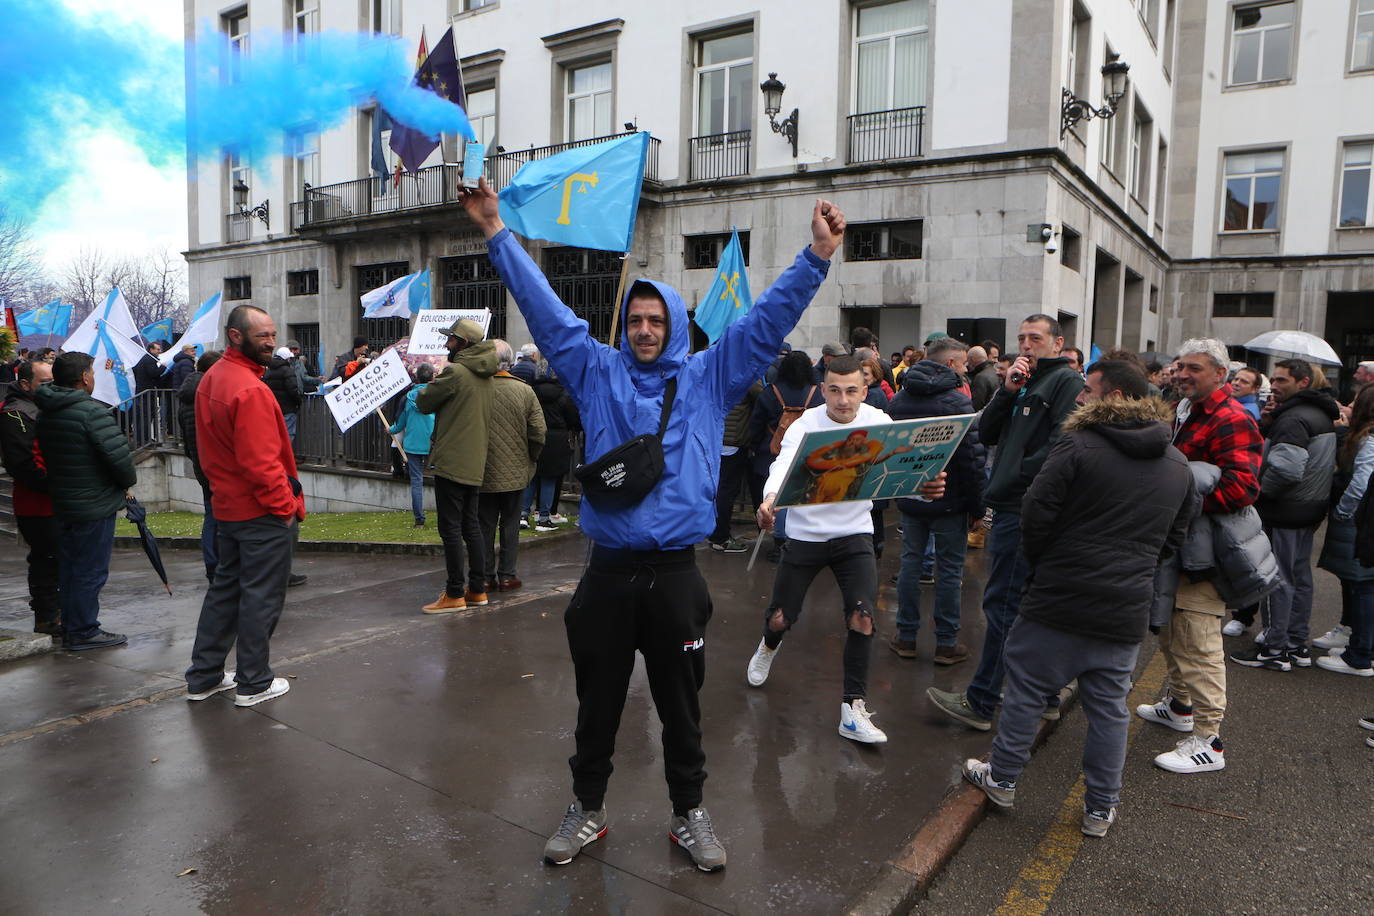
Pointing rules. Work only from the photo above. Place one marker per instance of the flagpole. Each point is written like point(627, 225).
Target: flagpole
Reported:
point(619, 297)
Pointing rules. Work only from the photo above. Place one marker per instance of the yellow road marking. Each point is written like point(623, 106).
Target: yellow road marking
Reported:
point(1035, 886)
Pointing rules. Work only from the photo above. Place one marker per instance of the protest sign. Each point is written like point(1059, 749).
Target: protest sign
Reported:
point(368, 390)
point(427, 337)
point(870, 462)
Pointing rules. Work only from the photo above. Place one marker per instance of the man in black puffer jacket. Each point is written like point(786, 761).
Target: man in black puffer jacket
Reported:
point(1113, 498)
point(285, 382)
point(934, 389)
point(186, 420)
point(90, 470)
point(1295, 487)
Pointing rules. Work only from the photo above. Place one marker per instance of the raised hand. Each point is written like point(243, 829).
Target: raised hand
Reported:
point(827, 229)
point(483, 208)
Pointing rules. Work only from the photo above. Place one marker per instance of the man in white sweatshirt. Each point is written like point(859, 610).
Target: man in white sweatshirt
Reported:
point(838, 535)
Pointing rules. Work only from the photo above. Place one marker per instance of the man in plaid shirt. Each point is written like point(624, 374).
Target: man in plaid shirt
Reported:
point(1212, 427)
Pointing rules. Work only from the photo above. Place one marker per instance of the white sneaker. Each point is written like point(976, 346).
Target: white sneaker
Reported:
point(1334, 662)
point(558, 519)
point(759, 664)
point(1233, 628)
point(226, 684)
point(279, 686)
point(856, 724)
point(1338, 637)
point(1162, 713)
point(1259, 637)
point(1193, 755)
point(524, 522)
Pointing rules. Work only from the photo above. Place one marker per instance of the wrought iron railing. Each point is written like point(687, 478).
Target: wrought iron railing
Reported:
point(149, 419)
point(238, 227)
point(878, 136)
point(718, 155)
point(437, 185)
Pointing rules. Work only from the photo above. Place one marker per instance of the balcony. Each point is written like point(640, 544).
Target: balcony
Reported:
point(880, 136)
point(238, 227)
point(718, 155)
point(439, 186)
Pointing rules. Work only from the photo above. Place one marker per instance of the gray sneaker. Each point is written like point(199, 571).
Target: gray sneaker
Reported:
point(955, 705)
point(577, 830)
point(695, 834)
point(1096, 823)
point(1001, 794)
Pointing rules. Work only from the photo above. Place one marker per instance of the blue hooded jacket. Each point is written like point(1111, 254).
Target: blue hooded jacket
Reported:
point(620, 398)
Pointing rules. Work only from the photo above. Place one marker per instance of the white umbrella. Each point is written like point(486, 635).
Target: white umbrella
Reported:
point(1295, 345)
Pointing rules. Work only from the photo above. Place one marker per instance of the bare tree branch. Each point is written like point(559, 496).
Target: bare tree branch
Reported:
point(19, 263)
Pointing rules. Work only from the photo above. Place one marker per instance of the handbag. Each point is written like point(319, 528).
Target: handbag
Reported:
point(627, 473)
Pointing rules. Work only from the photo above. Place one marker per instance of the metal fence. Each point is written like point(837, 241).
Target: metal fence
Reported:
point(149, 419)
point(719, 155)
point(882, 135)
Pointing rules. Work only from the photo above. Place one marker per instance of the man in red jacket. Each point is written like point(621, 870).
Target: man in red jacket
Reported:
point(32, 504)
point(246, 454)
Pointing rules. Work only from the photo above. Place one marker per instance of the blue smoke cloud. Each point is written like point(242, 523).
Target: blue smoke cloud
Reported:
point(66, 75)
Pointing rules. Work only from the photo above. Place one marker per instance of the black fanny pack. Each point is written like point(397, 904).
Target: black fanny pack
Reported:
point(627, 473)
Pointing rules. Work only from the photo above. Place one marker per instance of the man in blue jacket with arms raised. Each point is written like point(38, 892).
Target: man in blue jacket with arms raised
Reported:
point(641, 590)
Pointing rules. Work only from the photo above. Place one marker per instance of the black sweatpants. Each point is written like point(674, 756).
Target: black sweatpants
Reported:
point(459, 527)
point(654, 602)
point(851, 559)
point(40, 533)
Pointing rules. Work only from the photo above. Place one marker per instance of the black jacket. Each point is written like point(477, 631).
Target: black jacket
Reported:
point(983, 383)
point(561, 422)
point(183, 364)
point(89, 462)
point(931, 389)
point(148, 374)
point(1299, 461)
point(1113, 499)
point(767, 412)
point(186, 421)
point(285, 383)
point(1022, 427)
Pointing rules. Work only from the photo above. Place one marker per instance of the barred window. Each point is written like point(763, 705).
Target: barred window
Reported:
point(238, 288)
point(883, 241)
point(302, 282)
point(381, 332)
point(471, 282)
point(1243, 305)
point(704, 251)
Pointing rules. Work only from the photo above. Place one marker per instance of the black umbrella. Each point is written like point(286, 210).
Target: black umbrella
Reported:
point(135, 513)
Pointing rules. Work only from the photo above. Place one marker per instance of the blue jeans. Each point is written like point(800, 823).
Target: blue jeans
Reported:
point(1007, 571)
point(415, 464)
point(290, 419)
point(1360, 652)
point(541, 494)
point(83, 565)
point(950, 535)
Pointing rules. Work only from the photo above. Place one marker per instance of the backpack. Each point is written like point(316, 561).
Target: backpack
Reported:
point(788, 415)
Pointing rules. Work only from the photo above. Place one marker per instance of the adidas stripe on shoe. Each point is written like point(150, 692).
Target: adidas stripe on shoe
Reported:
point(1193, 755)
point(1162, 713)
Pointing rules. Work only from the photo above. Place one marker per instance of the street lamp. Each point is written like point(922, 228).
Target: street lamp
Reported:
point(772, 90)
point(1113, 87)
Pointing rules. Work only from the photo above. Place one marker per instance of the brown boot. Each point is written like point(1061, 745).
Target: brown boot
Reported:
point(977, 539)
point(951, 655)
point(906, 648)
point(475, 599)
point(445, 605)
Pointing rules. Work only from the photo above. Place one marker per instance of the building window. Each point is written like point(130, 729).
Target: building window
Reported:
point(470, 282)
point(1170, 16)
point(238, 287)
point(306, 16)
point(1262, 43)
point(470, 5)
point(890, 54)
point(1138, 167)
point(1070, 248)
point(589, 102)
point(386, 16)
point(482, 116)
point(308, 336)
point(725, 83)
point(883, 241)
point(1362, 54)
point(381, 332)
point(302, 282)
point(1080, 44)
point(1242, 305)
point(1254, 182)
point(585, 280)
point(704, 251)
point(236, 42)
point(1161, 185)
point(305, 161)
point(1357, 204)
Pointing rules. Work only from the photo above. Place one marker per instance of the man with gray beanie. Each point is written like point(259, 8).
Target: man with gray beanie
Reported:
point(460, 399)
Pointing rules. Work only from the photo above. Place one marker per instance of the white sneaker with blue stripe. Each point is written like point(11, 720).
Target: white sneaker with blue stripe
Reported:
point(856, 724)
point(1194, 754)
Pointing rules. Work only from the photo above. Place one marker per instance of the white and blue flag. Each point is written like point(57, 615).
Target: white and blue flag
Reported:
point(201, 332)
point(115, 357)
point(401, 298)
point(114, 311)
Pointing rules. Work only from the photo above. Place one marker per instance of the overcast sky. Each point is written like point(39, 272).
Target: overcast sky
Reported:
point(114, 198)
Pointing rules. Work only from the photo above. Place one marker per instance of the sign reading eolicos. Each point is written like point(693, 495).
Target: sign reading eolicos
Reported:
point(427, 336)
point(369, 389)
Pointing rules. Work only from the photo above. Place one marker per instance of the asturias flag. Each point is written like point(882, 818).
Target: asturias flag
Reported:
point(50, 319)
point(586, 196)
point(400, 298)
point(441, 76)
point(728, 299)
point(158, 330)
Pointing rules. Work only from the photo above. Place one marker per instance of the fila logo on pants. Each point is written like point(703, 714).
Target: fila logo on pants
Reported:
point(694, 644)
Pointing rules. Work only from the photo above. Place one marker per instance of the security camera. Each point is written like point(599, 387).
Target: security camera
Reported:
point(1051, 241)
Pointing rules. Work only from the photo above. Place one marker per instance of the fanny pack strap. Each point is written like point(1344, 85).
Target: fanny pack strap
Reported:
point(669, 392)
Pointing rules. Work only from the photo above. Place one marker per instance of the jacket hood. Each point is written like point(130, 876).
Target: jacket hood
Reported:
point(1318, 399)
point(927, 378)
point(182, 357)
point(56, 397)
point(479, 358)
point(675, 346)
point(1138, 428)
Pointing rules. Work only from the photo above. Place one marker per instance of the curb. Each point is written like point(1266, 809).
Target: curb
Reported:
point(907, 876)
point(21, 644)
point(390, 548)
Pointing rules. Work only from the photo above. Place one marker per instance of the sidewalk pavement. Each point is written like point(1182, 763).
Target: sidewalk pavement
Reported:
point(418, 764)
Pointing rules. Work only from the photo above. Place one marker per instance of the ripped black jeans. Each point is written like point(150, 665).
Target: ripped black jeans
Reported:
point(851, 560)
